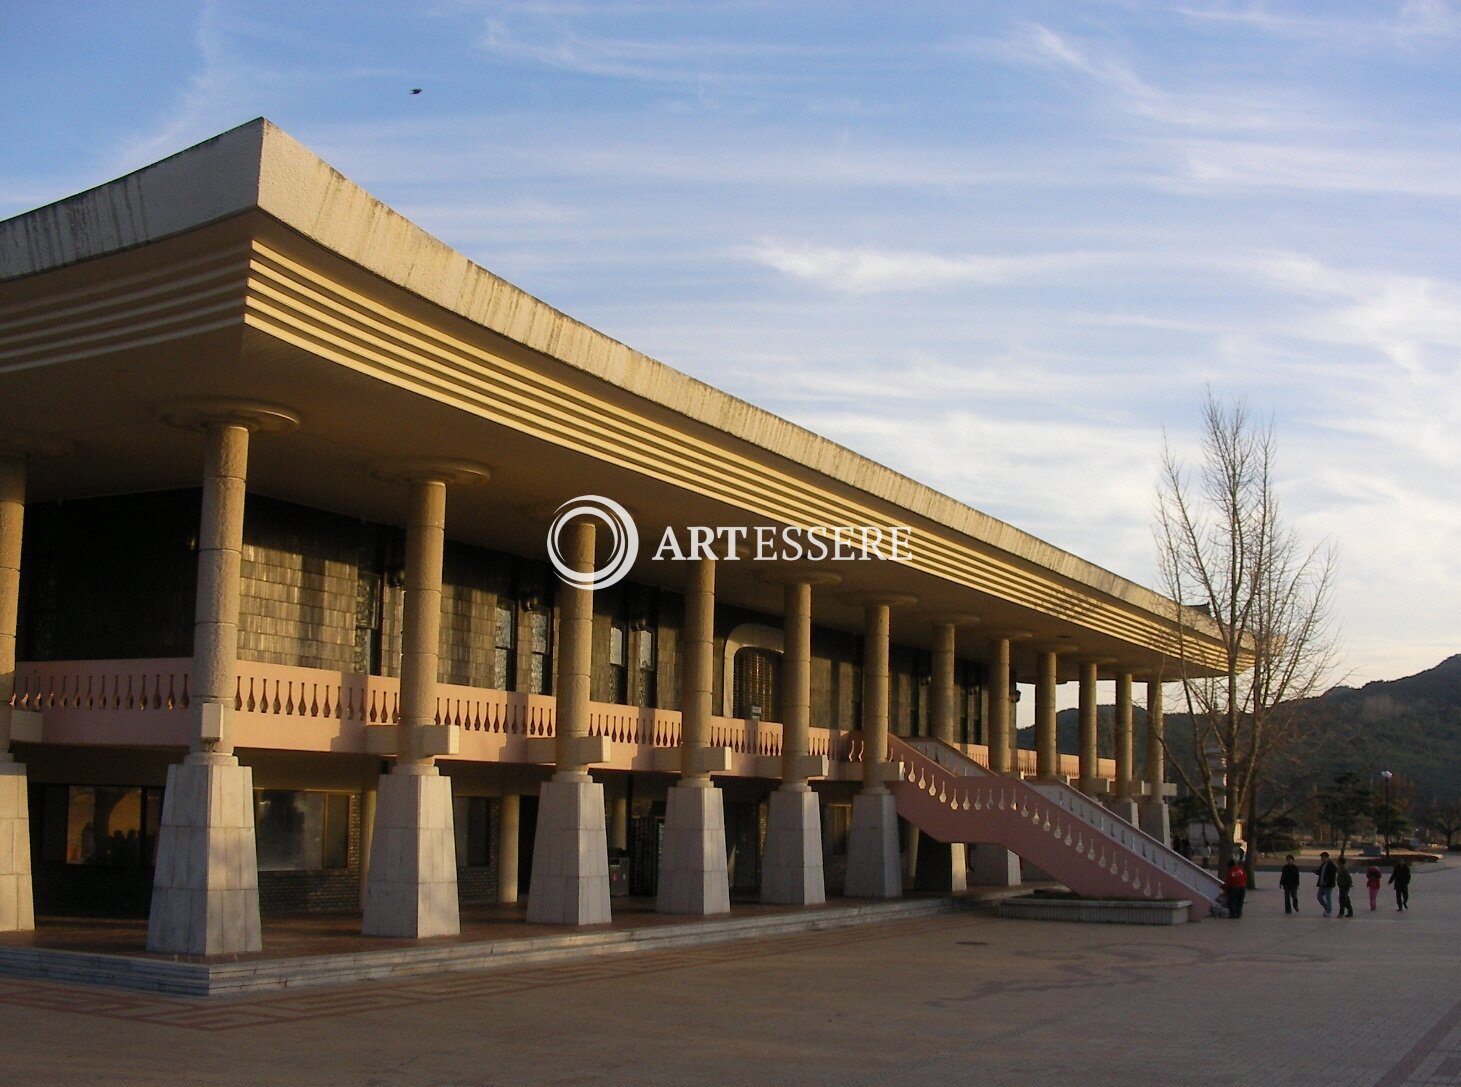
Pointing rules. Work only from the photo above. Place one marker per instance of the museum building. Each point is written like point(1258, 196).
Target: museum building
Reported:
point(279, 631)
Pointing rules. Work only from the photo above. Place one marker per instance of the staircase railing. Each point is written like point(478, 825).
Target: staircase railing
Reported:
point(1133, 838)
point(953, 799)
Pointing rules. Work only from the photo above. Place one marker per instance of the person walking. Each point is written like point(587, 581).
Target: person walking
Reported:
point(1328, 875)
point(1236, 887)
point(1372, 884)
point(1344, 879)
point(1288, 879)
point(1400, 877)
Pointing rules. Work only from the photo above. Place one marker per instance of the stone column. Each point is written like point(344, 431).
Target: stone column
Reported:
point(1122, 803)
point(1001, 731)
point(509, 813)
point(942, 866)
point(570, 877)
point(205, 887)
point(1090, 749)
point(873, 865)
point(791, 872)
point(1155, 819)
point(17, 902)
point(993, 865)
point(1047, 749)
point(693, 875)
point(412, 888)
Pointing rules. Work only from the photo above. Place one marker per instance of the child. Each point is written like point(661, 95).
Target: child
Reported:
point(1372, 883)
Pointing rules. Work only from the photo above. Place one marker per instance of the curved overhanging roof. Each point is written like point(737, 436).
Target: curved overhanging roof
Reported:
point(428, 320)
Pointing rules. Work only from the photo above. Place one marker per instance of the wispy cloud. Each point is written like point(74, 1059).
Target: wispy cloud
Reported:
point(1227, 109)
point(871, 270)
point(1413, 171)
point(1413, 23)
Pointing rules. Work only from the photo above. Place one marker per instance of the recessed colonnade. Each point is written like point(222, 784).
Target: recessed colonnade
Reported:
point(206, 901)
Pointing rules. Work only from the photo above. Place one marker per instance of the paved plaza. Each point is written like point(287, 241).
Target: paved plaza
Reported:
point(949, 999)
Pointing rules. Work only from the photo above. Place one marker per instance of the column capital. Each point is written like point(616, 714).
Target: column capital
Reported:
point(429, 470)
point(1011, 635)
point(869, 599)
point(1062, 646)
point(955, 619)
point(205, 412)
point(801, 574)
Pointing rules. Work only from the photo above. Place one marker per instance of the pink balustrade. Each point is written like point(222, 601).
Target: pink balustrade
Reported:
point(282, 707)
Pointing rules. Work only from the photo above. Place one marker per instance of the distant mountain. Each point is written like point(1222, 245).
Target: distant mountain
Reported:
point(1410, 726)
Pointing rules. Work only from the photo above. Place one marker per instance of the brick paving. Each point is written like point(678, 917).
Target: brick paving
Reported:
point(951, 999)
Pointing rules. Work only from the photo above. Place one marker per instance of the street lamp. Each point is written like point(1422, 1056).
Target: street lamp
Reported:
point(1387, 775)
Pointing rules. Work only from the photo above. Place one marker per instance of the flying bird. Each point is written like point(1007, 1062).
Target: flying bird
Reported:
point(415, 90)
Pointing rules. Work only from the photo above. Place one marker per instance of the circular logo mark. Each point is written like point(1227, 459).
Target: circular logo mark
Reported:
point(623, 541)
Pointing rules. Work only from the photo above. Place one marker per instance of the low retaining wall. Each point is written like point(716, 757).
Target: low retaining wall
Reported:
point(1095, 911)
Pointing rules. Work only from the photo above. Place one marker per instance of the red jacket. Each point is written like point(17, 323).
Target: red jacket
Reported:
point(1237, 879)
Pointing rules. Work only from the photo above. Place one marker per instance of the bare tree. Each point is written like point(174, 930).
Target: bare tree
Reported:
point(1226, 551)
point(1443, 815)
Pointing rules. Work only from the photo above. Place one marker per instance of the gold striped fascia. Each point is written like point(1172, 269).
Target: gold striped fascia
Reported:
point(305, 307)
point(119, 313)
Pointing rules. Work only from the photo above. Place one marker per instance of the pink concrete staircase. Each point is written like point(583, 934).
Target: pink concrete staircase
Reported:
point(951, 798)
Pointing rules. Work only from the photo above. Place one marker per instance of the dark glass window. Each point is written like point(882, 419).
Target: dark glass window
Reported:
point(368, 613)
point(298, 831)
point(112, 826)
point(504, 658)
point(540, 626)
point(648, 659)
point(619, 662)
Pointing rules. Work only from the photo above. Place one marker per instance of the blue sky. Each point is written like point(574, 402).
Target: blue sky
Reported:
point(999, 246)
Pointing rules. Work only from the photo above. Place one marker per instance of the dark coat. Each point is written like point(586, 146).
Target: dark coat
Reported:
point(1288, 879)
point(1400, 875)
point(1345, 879)
point(1328, 874)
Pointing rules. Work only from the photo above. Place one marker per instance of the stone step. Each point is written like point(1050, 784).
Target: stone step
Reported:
point(235, 978)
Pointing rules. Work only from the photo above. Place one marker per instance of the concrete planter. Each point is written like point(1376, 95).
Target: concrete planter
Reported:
point(1094, 910)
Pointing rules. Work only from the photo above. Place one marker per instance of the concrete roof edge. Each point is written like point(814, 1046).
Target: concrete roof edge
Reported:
point(146, 205)
point(257, 164)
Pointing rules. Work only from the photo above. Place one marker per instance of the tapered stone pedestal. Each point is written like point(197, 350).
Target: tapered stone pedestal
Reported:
point(941, 866)
point(570, 880)
point(873, 867)
point(205, 890)
point(1156, 820)
point(995, 866)
point(411, 891)
point(791, 872)
point(1125, 810)
point(692, 864)
point(17, 904)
